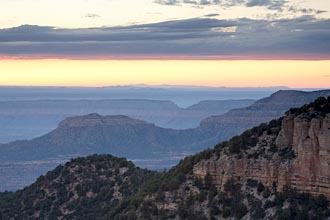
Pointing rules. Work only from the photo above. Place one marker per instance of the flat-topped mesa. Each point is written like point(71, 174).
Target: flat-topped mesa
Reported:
point(96, 119)
point(297, 156)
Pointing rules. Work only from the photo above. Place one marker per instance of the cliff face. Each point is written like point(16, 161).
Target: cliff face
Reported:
point(302, 159)
point(310, 138)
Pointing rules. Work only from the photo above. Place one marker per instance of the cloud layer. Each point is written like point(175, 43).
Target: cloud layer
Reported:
point(271, 4)
point(300, 37)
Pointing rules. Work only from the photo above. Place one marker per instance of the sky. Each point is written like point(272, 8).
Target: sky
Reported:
point(230, 73)
point(97, 13)
point(199, 42)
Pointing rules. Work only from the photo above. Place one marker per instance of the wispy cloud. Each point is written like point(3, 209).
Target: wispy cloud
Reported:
point(227, 3)
point(198, 36)
point(271, 5)
point(302, 10)
point(92, 16)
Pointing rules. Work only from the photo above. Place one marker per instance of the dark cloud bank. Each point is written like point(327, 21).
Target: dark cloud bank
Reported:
point(303, 36)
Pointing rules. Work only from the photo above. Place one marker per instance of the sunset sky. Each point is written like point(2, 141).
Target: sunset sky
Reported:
point(179, 42)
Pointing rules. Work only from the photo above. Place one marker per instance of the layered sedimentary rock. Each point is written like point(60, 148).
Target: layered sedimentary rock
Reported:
point(302, 159)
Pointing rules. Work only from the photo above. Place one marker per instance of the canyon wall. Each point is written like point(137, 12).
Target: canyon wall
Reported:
point(308, 169)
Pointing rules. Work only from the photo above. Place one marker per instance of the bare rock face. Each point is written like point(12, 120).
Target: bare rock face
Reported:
point(308, 169)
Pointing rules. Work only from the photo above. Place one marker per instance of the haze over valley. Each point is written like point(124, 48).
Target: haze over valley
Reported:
point(26, 119)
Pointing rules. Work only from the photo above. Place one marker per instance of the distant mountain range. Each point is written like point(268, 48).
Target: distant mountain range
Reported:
point(183, 96)
point(238, 120)
point(22, 120)
point(146, 144)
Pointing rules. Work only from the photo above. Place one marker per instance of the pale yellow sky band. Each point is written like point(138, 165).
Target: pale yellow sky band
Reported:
point(236, 73)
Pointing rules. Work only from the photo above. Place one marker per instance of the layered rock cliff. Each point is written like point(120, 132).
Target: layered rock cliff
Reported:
point(298, 156)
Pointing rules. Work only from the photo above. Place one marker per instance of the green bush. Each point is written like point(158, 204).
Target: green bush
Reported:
point(273, 148)
point(287, 153)
point(260, 187)
point(208, 181)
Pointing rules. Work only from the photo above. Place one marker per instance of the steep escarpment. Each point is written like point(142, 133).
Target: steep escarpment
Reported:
point(298, 156)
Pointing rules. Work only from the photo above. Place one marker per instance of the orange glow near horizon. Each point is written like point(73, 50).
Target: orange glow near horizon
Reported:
point(231, 73)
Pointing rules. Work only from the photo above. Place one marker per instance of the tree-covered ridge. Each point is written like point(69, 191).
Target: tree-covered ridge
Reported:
point(200, 199)
point(84, 188)
point(319, 107)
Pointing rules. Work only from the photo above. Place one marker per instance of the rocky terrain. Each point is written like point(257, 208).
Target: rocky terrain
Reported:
point(278, 170)
point(298, 156)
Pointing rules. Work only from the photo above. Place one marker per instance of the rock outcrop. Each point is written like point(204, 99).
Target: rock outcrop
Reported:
point(307, 169)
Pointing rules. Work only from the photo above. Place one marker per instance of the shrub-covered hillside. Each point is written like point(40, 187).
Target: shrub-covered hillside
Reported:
point(84, 188)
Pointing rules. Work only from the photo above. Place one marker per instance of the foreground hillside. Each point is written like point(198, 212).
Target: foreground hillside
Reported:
point(278, 170)
point(84, 188)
